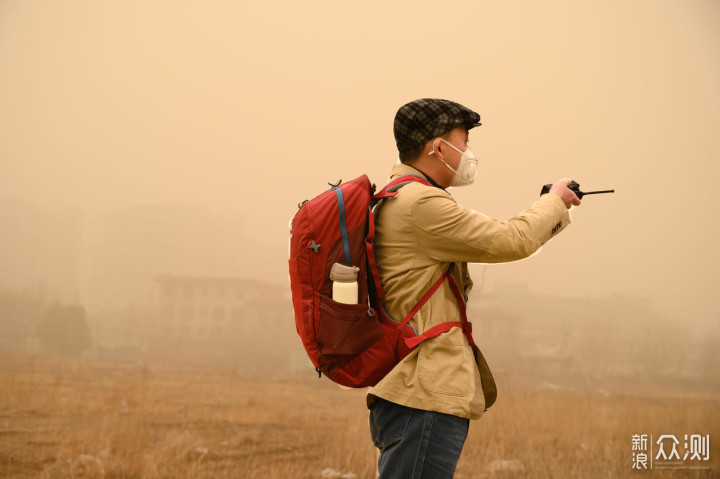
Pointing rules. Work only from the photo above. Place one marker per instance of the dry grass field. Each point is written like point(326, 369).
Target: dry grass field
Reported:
point(63, 418)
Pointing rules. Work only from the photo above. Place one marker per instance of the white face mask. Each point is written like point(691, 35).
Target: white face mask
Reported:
point(467, 168)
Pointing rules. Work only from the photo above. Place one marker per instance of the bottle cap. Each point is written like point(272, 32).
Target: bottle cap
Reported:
point(344, 274)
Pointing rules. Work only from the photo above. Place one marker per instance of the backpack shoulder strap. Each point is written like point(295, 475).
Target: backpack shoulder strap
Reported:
point(388, 191)
point(391, 188)
point(401, 181)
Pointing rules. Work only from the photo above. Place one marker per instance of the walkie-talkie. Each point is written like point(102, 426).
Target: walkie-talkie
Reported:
point(576, 189)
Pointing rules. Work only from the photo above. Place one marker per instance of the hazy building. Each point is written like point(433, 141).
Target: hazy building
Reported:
point(138, 243)
point(583, 340)
point(238, 321)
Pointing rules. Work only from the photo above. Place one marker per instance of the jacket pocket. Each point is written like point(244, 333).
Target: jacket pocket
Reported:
point(343, 332)
point(445, 367)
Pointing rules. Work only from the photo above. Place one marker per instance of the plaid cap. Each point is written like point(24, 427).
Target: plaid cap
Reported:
point(422, 120)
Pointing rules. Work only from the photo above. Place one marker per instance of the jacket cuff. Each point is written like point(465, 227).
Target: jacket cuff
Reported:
point(562, 214)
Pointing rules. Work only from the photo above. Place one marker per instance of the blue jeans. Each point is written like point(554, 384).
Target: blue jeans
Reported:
point(414, 443)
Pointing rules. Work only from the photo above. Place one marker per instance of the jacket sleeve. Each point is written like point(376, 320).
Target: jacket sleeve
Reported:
point(449, 232)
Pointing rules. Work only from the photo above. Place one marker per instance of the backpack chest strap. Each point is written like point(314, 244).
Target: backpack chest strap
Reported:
point(464, 324)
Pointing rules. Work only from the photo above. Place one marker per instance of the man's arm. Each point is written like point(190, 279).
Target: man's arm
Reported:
point(448, 232)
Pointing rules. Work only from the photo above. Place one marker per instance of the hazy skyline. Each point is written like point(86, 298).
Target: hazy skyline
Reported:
point(249, 109)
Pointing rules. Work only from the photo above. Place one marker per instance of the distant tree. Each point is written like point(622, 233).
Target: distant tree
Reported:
point(64, 330)
point(20, 313)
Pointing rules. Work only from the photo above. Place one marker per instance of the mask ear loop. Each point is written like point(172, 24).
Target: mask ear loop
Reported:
point(443, 161)
point(448, 144)
point(432, 152)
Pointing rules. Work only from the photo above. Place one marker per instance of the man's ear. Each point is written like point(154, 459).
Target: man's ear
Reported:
point(435, 148)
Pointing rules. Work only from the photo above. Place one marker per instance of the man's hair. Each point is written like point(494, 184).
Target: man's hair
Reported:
point(414, 153)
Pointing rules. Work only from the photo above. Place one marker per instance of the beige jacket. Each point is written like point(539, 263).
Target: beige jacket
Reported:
point(419, 233)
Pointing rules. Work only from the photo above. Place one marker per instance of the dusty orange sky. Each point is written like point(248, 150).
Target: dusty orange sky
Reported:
point(255, 107)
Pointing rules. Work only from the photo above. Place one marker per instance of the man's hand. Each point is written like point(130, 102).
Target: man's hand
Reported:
point(560, 188)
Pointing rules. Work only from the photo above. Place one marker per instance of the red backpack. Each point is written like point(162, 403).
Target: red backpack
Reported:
point(354, 345)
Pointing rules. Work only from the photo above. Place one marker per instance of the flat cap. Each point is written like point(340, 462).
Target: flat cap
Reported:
point(422, 120)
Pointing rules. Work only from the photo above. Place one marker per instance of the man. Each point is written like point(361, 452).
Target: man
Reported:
point(420, 411)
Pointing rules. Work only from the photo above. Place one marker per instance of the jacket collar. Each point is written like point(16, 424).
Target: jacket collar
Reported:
point(401, 169)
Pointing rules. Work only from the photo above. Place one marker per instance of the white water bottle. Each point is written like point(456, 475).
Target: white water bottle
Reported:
point(345, 286)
